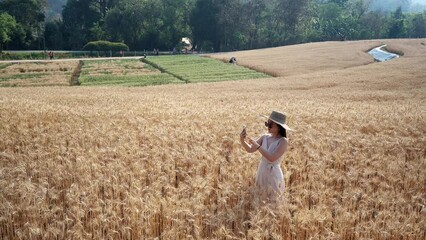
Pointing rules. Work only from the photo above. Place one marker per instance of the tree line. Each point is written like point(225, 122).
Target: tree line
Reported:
point(212, 25)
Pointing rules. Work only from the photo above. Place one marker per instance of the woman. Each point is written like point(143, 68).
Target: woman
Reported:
point(272, 147)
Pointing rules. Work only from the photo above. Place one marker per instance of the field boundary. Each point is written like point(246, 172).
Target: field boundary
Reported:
point(163, 70)
point(74, 81)
point(254, 68)
point(2, 66)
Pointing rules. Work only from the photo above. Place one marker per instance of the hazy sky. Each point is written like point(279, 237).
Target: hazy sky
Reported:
point(419, 1)
point(392, 5)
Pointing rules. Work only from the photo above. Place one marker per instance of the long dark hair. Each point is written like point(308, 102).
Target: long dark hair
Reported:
point(282, 131)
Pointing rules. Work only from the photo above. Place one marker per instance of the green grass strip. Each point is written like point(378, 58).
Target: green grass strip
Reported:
point(191, 68)
point(162, 69)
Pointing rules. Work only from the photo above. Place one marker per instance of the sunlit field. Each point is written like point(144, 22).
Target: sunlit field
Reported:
point(165, 161)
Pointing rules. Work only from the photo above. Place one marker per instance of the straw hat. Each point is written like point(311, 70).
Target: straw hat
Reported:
point(278, 118)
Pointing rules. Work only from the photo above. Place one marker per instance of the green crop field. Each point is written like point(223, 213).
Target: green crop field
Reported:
point(191, 68)
point(162, 70)
point(175, 69)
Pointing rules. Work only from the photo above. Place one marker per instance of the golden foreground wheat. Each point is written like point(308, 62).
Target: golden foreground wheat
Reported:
point(165, 161)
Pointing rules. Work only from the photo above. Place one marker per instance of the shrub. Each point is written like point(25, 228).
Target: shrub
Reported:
point(105, 46)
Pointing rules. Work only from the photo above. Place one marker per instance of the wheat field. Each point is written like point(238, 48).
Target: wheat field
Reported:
point(164, 162)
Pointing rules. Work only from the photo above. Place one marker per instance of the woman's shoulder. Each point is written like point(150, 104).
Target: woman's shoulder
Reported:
point(282, 140)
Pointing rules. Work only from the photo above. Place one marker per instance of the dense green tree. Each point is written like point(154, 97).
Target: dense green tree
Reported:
point(355, 11)
point(79, 16)
point(212, 25)
point(79, 19)
point(397, 26)
point(358, 8)
point(105, 5)
point(234, 24)
point(205, 25)
point(418, 25)
point(29, 14)
point(125, 22)
point(287, 16)
point(253, 19)
point(230, 24)
point(53, 38)
point(343, 20)
point(83, 21)
point(373, 25)
point(167, 21)
point(330, 22)
point(341, 3)
point(97, 31)
point(149, 24)
point(7, 27)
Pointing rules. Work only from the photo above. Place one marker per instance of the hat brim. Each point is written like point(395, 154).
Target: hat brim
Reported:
point(285, 126)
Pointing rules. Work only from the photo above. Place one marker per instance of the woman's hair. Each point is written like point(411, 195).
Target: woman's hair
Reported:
point(282, 131)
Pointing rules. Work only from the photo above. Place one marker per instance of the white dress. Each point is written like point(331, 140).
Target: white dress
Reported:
point(269, 176)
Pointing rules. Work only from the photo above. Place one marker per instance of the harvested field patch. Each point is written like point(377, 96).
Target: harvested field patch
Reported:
point(123, 72)
point(36, 74)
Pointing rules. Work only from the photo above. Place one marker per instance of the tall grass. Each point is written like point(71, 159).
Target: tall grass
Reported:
point(166, 162)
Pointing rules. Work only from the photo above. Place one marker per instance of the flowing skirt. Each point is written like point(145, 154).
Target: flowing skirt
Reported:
point(270, 178)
